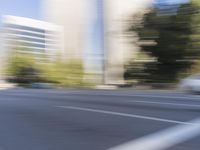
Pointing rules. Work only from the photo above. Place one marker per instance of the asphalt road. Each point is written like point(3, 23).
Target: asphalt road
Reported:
point(98, 120)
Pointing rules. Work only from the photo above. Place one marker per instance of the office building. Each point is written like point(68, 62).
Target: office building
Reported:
point(73, 16)
point(42, 39)
point(94, 30)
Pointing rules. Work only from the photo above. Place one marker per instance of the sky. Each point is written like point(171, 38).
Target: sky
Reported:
point(23, 8)
point(172, 1)
point(31, 8)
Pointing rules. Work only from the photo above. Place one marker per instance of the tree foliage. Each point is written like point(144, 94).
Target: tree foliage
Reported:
point(22, 69)
point(69, 73)
point(171, 35)
point(25, 69)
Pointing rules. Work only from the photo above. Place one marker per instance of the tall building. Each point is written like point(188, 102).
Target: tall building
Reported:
point(80, 21)
point(106, 49)
point(32, 36)
point(73, 16)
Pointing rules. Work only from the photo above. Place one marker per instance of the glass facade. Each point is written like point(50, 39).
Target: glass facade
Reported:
point(34, 39)
point(30, 34)
point(20, 27)
point(42, 39)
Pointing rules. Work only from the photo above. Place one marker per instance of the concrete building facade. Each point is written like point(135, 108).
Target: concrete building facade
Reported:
point(72, 15)
point(77, 15)
point(32, 36)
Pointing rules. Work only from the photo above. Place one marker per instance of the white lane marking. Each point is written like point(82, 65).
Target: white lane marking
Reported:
point(186, 97)
point(124, 114)
point(163, 139)
point(157, 141)
point(72, 93)
point(192, 97)
point(164, 103)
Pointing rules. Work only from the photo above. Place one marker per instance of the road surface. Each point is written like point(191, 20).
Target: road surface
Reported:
point(98, 120)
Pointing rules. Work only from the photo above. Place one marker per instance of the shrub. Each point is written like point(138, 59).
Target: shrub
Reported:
point(22, 69)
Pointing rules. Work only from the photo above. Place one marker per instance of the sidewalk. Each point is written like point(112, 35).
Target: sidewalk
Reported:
point(5, 85)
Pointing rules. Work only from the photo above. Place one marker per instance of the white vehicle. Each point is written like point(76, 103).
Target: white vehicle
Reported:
point(191, 83)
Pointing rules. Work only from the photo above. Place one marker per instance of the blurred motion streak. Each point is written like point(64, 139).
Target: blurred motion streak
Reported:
point(112, 42)
point(168, 35)
point(95, 28)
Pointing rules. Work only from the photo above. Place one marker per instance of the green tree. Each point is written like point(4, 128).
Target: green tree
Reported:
point(170, 34)
point(22, 69)
point(25, 69)
point(65, 74)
